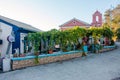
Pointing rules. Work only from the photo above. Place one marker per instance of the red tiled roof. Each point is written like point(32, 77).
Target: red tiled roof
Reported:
point(75, 22)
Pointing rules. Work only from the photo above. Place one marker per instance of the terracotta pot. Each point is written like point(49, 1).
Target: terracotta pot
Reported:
point(50, 51)
point(36, 53)
point(22, 55)
point(15, 55)
point(64, 50)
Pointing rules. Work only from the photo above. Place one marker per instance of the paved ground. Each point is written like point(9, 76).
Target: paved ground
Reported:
point(93, 67)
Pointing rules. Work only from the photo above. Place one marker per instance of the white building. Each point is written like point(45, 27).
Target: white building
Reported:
point(18, 29)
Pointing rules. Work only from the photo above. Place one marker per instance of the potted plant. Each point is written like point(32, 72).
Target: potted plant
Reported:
point(15, 55)
point(22, 55)
point(50, 49)
point(64, 48)
point(35, 39)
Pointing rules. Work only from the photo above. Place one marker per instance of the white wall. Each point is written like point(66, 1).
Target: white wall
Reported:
point(6, 31)
point(22, 35)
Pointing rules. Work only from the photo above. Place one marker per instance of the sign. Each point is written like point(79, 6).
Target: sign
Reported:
point(11, 38)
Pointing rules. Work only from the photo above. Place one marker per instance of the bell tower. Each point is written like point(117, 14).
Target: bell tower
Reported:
point(97, 19)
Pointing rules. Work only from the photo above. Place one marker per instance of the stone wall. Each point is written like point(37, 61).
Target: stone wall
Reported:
point(22, 62)
point(43, 59)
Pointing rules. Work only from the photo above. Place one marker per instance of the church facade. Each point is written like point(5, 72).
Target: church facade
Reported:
point(96, 21)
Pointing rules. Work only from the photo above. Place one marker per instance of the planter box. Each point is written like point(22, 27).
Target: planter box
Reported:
point(6, 64)
point(22, 62)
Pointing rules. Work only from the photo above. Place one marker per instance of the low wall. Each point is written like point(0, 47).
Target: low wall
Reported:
point(22, 62)
point(107, 48)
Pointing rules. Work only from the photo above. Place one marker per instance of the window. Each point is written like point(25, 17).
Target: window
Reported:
point(97, 18)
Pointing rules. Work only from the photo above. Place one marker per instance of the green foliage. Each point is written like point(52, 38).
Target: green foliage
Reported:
point(112, 18)
point(95, 31)
point(112, 42)
point(118, 33)
point(116, 19)
point(70, 37)
point(66, 39)
point(35, 39)
point(107, 32)
point(36, 60)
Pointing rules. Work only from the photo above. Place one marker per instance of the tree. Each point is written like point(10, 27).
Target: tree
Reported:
point(112, 17)
point(118, 33)
point(107, 33)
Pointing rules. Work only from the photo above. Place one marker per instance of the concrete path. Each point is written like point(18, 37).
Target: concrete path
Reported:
point(93, 67)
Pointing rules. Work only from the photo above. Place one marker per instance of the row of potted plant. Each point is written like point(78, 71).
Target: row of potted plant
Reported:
point(67, 38)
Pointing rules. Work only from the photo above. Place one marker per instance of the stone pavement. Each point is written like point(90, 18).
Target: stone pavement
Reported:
point(105, 66)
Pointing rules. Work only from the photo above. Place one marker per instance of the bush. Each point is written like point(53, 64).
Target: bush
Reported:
point(112, 42)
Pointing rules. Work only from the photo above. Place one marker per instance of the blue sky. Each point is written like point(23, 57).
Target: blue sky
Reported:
point(49, 14)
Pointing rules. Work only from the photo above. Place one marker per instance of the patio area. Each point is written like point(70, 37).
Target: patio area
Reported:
point(105, 66)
